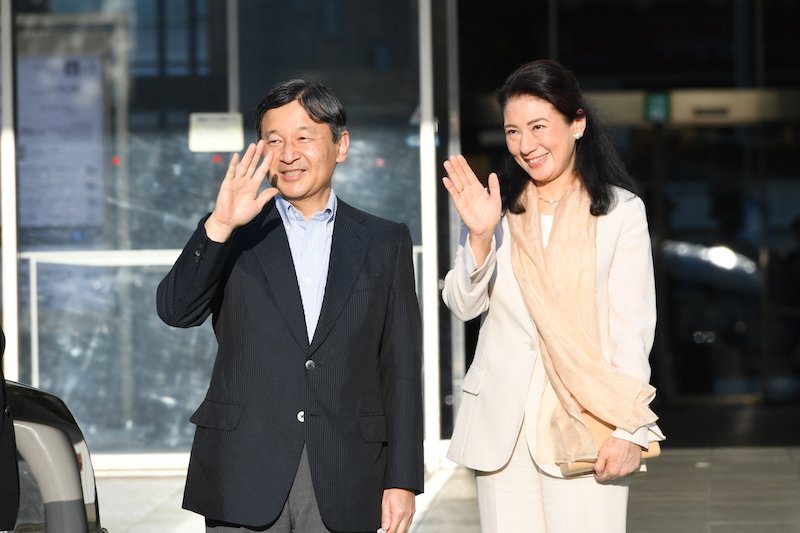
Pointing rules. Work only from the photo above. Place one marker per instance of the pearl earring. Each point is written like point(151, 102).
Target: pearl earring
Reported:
point(577, 136)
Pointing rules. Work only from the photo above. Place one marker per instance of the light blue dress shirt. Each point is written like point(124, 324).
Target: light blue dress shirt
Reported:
point(310, 244)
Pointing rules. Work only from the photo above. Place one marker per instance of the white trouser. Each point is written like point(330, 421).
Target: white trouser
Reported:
point(520, 498)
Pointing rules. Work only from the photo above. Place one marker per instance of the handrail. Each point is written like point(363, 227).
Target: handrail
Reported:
point(97, 258)
point(102, 258)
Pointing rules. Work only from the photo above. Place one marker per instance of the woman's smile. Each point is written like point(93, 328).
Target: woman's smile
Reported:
point(536, 161)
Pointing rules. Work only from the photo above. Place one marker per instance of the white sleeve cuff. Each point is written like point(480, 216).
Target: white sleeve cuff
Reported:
point(474, 273)
point(639, 437)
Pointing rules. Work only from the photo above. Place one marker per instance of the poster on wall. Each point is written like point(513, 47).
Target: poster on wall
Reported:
point(61, 182)
point(60, 141)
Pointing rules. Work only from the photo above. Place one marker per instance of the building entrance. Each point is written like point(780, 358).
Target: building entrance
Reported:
point(724, 204)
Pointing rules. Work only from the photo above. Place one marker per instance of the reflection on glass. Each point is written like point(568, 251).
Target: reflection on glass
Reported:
point(106, 89)
point(730, 323)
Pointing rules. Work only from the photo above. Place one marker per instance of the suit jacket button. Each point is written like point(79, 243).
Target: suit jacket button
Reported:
point(301, 416)
point(310, 365)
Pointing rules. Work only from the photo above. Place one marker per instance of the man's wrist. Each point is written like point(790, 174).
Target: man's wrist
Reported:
point(217, 231)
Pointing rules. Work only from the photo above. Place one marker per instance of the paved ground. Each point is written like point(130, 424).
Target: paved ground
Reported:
point(687, 490)
point(145, 505)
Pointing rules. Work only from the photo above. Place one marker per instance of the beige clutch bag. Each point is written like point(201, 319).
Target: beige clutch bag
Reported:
point(601, 431)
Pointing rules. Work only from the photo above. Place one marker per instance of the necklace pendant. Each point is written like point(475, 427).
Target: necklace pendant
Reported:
point(551, 202)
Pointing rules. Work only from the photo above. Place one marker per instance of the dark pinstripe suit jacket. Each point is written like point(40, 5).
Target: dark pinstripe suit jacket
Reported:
point(357, 407)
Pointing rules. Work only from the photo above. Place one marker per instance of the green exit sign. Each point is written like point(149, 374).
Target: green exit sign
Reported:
point(656, 107)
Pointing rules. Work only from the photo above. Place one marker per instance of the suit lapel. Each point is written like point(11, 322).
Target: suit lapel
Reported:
point(271, 246)
point(348, 250)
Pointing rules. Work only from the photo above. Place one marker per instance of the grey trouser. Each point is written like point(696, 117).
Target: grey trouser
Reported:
point(300, 513)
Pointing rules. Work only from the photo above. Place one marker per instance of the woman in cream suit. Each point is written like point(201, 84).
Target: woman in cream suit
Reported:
point(556, 259)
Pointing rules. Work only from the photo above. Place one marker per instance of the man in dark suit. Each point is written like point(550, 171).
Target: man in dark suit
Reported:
point(9, 473)
point(313, 418)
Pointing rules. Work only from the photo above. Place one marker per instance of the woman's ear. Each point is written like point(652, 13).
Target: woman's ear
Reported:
point(579, 124)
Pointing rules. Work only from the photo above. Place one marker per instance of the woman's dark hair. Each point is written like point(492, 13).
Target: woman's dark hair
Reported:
point(319, 102)
point(597, 163)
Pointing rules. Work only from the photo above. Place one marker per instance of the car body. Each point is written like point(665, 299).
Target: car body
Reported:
point(57, 484)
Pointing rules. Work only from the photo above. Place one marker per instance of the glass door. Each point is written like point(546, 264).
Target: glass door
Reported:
point(729, 205)
point(110, 191)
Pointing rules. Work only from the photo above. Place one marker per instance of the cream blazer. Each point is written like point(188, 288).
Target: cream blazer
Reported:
point(504, 383)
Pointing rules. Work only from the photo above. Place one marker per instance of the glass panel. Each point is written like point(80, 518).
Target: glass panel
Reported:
point(105, 93)
point(372, 69)
point(781, 146)
point(130, 381)
point(722, 332)
point(710, 252)
point(728, 326)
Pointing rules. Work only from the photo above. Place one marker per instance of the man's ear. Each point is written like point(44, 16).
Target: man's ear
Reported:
point(342, 146)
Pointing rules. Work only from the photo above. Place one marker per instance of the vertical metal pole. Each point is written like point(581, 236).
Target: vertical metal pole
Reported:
point(161, 56)
point(743, 48)
point(8, 192)
point(765, 304)
point(664, 378)
point(34, 291)
point(430, 278)
point(763, 186)
point(457, 335)
point(121, 43)
point(759, 43)
point(233, 56)
point(192, 26)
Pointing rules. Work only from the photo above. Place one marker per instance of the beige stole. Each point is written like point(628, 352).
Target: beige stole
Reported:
point(559, 287)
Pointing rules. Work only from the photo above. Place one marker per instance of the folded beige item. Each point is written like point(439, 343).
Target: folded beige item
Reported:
point(601, 431)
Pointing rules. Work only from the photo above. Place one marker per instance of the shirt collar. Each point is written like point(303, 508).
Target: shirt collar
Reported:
point(291, 215)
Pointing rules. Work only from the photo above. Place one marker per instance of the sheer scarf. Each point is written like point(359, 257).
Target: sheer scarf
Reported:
point(559, 287)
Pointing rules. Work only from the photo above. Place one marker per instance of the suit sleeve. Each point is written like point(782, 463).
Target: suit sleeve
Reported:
point(632, 306)
point(631, 295)
point(184, 297)
point(401, 375)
